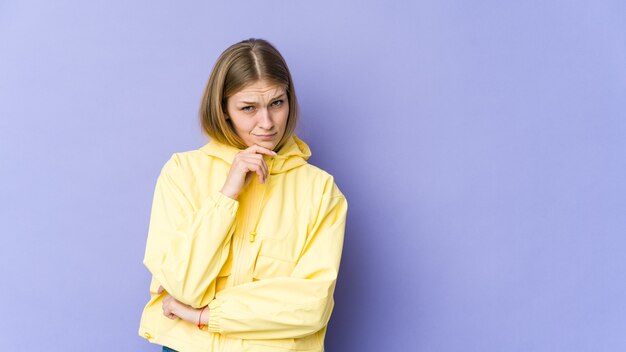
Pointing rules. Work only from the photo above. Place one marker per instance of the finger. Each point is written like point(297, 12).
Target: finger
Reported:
point(250, 156)
point(255, 165)
point(261, 162)
point(257, 149)
point(246, 162)
point(261, 171)
point(170, 315)
point(260, 177)
point(168, 311)
point(161, 289)
point(260, 150)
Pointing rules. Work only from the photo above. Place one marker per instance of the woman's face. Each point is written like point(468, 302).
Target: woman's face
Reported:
point(259, 113)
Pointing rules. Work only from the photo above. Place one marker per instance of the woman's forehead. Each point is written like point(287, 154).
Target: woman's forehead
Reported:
point(260, 90)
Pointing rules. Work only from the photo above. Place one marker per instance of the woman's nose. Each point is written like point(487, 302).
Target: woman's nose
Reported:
point(265, 119)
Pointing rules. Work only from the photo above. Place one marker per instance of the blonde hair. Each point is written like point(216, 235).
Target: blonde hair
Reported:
point(241, 64)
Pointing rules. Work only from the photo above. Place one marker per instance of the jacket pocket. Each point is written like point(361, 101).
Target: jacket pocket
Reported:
point(268, 267)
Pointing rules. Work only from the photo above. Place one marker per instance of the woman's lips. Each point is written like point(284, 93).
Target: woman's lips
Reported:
point(266, 136)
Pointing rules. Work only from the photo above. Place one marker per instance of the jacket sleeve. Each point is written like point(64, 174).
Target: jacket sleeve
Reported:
point(187, 244)
point(289, 307)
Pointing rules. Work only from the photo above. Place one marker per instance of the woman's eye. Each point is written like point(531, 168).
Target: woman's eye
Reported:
point(247, 108)
point(277, 103)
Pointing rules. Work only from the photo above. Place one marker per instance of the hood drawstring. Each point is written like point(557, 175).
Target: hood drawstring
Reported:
point(258, 217)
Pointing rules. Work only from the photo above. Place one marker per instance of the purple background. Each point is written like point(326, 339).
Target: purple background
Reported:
point(481, 146)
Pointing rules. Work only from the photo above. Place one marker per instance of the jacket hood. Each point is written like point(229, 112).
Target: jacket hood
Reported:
point(293, 153)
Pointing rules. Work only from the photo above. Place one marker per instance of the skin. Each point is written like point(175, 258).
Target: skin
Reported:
point(174, 309)
point(258, 113)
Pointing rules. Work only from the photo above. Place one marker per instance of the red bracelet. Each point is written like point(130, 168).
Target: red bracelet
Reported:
point(200, 318)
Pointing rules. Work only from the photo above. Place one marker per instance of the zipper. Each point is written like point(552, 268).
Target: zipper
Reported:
point(259, 207)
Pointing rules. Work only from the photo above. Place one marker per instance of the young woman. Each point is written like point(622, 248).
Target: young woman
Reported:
point(245, 236)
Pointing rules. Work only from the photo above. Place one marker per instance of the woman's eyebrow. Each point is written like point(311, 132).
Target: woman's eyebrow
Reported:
point(254, 102)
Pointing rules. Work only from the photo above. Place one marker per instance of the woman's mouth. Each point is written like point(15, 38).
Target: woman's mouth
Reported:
point(266, 136)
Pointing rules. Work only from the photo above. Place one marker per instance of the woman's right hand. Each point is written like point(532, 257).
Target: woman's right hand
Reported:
point(246, 163)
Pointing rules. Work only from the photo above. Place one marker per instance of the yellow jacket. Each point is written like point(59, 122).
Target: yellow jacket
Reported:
point(266, 264)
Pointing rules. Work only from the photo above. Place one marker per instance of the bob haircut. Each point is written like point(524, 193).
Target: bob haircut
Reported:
point(242, 64)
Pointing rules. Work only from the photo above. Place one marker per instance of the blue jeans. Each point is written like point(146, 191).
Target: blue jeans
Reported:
point(167, 349)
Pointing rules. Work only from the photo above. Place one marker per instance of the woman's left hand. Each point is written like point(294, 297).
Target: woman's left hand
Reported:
point(174, 309)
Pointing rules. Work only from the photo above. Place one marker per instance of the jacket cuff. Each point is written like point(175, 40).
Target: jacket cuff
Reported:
point(215, 316)
point(219, 200)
